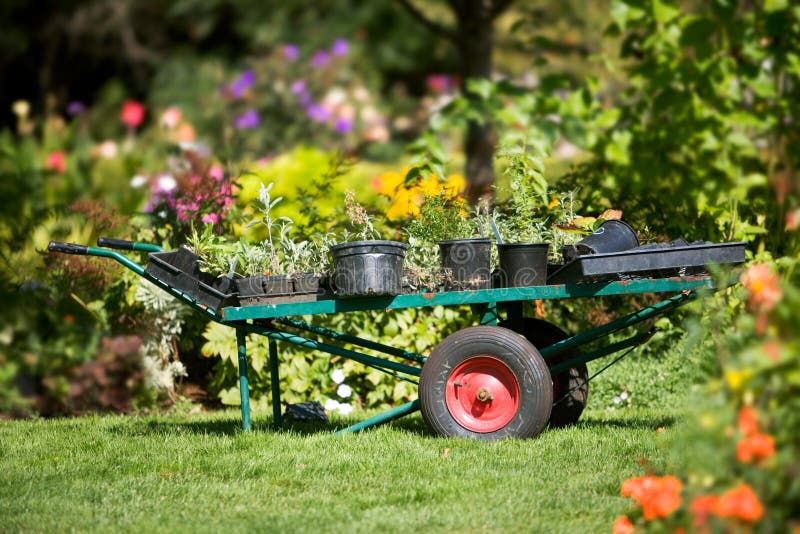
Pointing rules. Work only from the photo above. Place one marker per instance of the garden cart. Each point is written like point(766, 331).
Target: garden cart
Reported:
point(485, 381)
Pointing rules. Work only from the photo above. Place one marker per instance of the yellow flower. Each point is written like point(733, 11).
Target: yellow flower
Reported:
point(21, 108)
point(737, 379)
point(553, 203)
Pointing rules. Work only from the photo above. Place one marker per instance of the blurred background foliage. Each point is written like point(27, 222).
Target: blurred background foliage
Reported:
point(144, 120)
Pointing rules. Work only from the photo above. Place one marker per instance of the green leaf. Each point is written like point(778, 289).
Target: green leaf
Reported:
point(775, 5)
point(664, 11)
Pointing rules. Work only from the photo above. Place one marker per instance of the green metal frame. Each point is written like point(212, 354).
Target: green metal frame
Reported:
point(276, 323)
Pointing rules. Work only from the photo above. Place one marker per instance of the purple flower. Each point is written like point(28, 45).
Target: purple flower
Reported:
point(320, 59)
point(75, 108)
point(247, 120)
point(298, 87)
point(318, 113)
point(340, 47)
point(305, 99)
point(242, 84)
point(343, 125)
point(291, 52)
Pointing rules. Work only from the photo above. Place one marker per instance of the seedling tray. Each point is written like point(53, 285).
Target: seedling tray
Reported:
point(648, 263)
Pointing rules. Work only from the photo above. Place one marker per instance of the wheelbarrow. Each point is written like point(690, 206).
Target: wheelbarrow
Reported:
point(507, 376)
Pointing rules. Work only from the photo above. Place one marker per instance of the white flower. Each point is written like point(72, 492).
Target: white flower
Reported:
point(344, 391)
point(335, 96)
point(166, 182)
point(623, 395)
point(337, 376)
point(138, 181)
point(345, 409)
point(178, 369)
point(331, 405)
point(617, 400)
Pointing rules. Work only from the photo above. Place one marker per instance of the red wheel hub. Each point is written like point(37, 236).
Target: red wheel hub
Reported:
point(482, 394)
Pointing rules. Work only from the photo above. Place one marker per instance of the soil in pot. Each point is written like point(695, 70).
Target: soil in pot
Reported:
point(368, 268)
point(467, 263)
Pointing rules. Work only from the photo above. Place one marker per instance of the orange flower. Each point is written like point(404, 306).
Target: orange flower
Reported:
point(57, 161)
point(741, 502)
point(748, 424)
point(702, 508)
point(755, 448)
point(658, 496)
point(622, 525)
point(763, 286)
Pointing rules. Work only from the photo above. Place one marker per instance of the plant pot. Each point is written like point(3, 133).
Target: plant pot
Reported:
point(310, 283)
point(261, 285)
point(467, 262)
point(522, 264)
point(368, 268)
point(611, 236)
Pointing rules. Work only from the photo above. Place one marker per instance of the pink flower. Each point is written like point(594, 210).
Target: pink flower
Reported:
point(211, 218)
point(439, 83)
point(132, 113)
point(170, 118)
point(57, 161)
point(216, 172)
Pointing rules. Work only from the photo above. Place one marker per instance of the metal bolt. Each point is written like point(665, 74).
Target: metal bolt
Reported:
point(483, 395)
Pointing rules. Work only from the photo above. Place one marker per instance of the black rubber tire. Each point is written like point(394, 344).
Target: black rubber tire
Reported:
point(567, 411)
point(518, 354)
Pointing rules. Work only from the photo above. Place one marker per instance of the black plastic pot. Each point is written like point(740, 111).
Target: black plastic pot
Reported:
point(522, 264)
point(611, 236)
point(178, 268)
point(261, 284)
point(367, 268)
point(467, 263)
point(309, 283)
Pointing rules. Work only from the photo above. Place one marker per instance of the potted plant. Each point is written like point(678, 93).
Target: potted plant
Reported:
point(306, 263)
point(525, 219)
point(446, 247)
point(366, 266)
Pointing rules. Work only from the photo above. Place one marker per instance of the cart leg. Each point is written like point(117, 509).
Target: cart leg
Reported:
point(275, 381)
point(244, 391)
point(486, 313)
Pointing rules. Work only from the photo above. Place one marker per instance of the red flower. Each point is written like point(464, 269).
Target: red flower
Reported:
point(622, 525)
point(658, 496)
point(57, 161)
point(702, 508)
point(748, 424)
point(755, 448)
point(132, 113)
point(741, 502)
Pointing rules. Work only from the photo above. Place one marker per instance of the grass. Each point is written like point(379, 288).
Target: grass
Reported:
point(198, 472)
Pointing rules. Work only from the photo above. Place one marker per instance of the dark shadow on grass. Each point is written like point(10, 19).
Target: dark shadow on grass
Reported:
point(231, 426)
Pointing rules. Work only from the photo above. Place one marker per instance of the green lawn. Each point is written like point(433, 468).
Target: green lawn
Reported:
point(199, 472)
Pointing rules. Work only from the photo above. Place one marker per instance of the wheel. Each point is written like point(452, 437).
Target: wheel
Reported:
point(486, 382)
point(568, 410)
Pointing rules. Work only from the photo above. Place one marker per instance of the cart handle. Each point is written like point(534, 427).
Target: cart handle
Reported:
point(67, 248)
point(122, 244)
